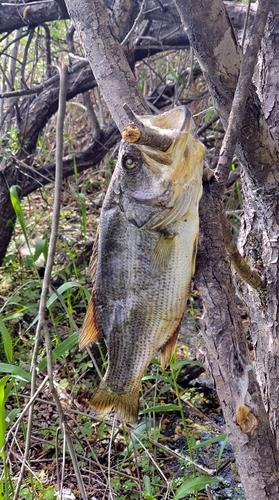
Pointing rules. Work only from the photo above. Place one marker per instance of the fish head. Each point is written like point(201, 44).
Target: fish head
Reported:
point(155, 187)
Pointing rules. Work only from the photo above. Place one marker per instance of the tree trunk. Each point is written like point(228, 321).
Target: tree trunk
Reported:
point(268, 71)
point(255, 449)
point(261, 226)
point(7, 214)
point(211, 35)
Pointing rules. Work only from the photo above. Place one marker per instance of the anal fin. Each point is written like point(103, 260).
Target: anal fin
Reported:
point(169, 348)
point(89, 332)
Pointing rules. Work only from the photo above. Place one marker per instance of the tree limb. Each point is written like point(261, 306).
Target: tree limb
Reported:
point(20, 14)
point(89, 158)
point(238, 108)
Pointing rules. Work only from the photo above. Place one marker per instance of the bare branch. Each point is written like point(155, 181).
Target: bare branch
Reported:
point(117, 80)
point(248, 274)
point(137, 133)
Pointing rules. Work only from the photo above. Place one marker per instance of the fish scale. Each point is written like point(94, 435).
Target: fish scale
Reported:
point(145, 260)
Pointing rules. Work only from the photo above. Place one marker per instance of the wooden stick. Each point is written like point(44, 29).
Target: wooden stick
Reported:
point(137, 133)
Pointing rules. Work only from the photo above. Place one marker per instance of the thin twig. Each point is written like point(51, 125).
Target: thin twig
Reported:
point(245, 24)
point(189, 460)
point(24, 411)
point(136, 22)
point(63, 464)
point(109, 458)
point(50, 260)
point(134, 436)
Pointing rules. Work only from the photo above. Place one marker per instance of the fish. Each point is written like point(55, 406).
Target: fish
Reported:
point(144, 258)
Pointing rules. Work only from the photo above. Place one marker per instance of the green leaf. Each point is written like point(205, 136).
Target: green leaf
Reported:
point(15, 200)
point(61, 349)
point(216, 439)
point(7, 341)
point(40, 248)
point(60, 290)
point(193, 485)
point(3, 382)
point(161, 408)
point(55, 296)
point(15, 371)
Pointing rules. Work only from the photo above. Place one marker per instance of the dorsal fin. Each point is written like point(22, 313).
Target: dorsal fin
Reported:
point(89, 332)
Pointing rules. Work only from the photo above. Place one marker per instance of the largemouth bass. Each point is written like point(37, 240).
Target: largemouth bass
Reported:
point(144, 258)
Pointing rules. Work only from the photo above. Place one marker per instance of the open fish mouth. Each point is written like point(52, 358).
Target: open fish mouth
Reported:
point(159, 200)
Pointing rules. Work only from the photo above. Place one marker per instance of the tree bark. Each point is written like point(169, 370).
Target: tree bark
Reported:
point(268, 71)
point(211, 35)
point(255, 451)
point(7, 214)
point(106, 58)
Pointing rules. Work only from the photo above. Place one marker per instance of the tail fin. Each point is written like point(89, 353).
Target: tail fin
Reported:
point(126, 405)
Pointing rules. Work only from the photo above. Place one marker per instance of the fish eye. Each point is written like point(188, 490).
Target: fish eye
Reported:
point(130, 163)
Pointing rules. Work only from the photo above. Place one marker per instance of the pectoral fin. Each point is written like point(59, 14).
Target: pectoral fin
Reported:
point(162, 252)
point(89, 332)
point(169, 348)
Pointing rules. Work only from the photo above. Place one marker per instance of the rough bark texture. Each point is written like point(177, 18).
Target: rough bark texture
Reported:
point(7, 214)
point(268, 71)
point(229, 360)
point(106, 58)
point(212, 38)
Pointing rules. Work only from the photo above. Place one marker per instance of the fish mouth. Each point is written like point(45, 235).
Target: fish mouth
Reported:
point(159, 200)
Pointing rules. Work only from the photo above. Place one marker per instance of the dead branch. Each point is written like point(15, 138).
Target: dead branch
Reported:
point(137, 133)
point(249, 275)
point(94, 124)
point(19, 14)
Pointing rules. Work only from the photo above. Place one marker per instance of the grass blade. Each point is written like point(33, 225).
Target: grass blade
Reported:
point(193, 485)
point(7, 341)
point(15, 371)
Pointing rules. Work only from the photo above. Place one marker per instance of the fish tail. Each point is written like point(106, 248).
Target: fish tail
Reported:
point(126, 405)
